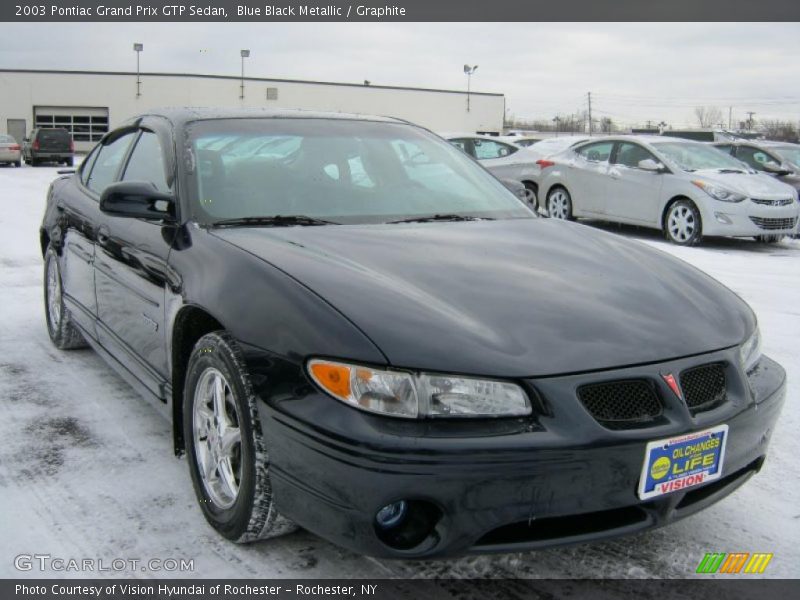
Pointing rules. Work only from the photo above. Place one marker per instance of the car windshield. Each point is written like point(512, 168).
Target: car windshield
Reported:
point(692, 156)
point(789, 152)
point(335, 170)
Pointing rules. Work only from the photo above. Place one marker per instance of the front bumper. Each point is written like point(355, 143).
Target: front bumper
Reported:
point(504, 485)
point(749, 219)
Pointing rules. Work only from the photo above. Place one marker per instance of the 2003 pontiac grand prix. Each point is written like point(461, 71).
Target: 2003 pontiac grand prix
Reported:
point(355, 328)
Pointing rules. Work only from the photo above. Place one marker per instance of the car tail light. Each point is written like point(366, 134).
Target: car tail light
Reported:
point(544, 163)
point(14, 147)
point(71, 146)
point(35, 144)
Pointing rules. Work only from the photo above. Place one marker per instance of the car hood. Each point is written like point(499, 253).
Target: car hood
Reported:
point(512, 298)
point(752, 185)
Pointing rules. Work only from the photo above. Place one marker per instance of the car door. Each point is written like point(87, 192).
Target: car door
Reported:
point(585, 175)
point(498, 157)
point(633, 193)
point(131, 272)
point(79, 216)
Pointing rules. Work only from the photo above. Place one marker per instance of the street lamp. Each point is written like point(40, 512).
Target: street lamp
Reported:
point(557, 121)
point(468, 71)
point(138, 48)
point(244, 54)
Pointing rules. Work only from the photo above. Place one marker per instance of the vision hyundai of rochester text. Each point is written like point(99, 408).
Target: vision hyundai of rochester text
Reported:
point(355, 328)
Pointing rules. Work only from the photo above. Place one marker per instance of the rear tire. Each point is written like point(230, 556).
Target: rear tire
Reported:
point(18, 164)
point(227, 455)
point(559, 204)
point(69, 162)
point(60, 326)
point(683, 225)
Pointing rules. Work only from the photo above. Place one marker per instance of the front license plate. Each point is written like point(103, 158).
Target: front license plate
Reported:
point(682, 462)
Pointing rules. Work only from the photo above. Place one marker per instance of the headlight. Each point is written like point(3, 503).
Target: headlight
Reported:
point(719, 193)
point(411, 395)
point(750, 351)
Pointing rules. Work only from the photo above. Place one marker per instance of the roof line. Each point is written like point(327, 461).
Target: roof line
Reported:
point(238, 78)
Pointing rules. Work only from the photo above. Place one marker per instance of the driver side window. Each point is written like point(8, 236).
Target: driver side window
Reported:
point(486, 149)
point(754, 157)
point(629, 155)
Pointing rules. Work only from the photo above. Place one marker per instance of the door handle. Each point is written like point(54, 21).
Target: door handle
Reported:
point(102, 235)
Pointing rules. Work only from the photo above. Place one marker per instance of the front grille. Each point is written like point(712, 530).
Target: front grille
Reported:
point(621, 404)
point(773, 224)
point(778, 202)
point(704, 387)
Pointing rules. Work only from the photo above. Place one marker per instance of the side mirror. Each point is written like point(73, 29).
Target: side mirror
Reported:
point(776, 169)
point(137, 200)
point(648, 164)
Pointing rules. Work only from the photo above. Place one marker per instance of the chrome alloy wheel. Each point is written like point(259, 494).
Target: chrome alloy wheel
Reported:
point(53, 293)
point(681, 223)
point(217, 438)
point(558, 204)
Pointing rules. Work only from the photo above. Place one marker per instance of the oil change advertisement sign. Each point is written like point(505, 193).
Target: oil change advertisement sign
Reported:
point(678, 463)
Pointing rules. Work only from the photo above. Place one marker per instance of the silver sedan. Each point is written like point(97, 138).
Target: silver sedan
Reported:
point(10, 151)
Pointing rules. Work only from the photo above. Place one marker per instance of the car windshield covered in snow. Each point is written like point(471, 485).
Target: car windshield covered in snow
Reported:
point(692, 156)
point(340, 171)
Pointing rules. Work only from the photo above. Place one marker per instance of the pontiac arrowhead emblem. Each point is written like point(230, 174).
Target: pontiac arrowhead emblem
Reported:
point(670, 380)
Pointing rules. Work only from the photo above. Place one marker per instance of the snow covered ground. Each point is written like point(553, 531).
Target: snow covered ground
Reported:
point(86, 467)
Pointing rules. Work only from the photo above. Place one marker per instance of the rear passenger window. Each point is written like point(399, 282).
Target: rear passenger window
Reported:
point(107, 164)
point(147, 162)
point(597, 152)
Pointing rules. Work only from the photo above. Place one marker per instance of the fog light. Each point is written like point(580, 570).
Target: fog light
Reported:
point(391, 515)
point(723, 218)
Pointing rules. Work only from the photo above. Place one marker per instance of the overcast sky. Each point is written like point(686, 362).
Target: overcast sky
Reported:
point(636, 72)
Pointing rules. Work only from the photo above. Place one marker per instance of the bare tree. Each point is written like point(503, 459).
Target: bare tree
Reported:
point(775, 129)
point(708, 116)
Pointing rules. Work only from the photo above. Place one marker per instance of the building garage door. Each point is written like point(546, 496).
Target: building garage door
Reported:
point(86, 124)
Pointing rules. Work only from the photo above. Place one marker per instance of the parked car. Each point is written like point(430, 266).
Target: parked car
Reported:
point(363, 332)
point(779, 159)
point(687, 189)
point(504, 160)
point(10, 153)
point(48, 145)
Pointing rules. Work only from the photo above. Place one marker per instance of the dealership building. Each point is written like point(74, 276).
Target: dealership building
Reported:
point(89, 103)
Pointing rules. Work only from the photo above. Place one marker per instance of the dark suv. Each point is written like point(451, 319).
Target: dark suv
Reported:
point(48, 145)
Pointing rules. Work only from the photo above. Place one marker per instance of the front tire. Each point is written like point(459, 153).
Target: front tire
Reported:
point(559, 204)
point(682, 223)
point(60, 326)
point(227, 454)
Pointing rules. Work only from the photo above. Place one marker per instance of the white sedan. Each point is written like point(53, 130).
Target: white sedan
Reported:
point(505, 161)
point(687, 189)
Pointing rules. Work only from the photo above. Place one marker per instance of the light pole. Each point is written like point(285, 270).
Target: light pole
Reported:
point(138, 48)
point(244, 54)
point(557, 121)
point(468, 71)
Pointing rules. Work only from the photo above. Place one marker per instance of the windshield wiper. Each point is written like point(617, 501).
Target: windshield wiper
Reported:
point(731, 171)
point(443, 217)
point(272, 221)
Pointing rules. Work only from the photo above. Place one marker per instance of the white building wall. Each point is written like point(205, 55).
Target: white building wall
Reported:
point(21, 91)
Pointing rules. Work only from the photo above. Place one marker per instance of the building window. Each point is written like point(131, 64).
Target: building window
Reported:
point(272, 93)
point(85, 125)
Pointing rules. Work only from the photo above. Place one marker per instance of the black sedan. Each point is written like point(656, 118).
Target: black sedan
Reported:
point(355, 328)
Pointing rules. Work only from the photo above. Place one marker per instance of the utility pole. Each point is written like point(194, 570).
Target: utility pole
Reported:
point(750, 120)
point(589, 94)
point(730, 118)
point(468, 71)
